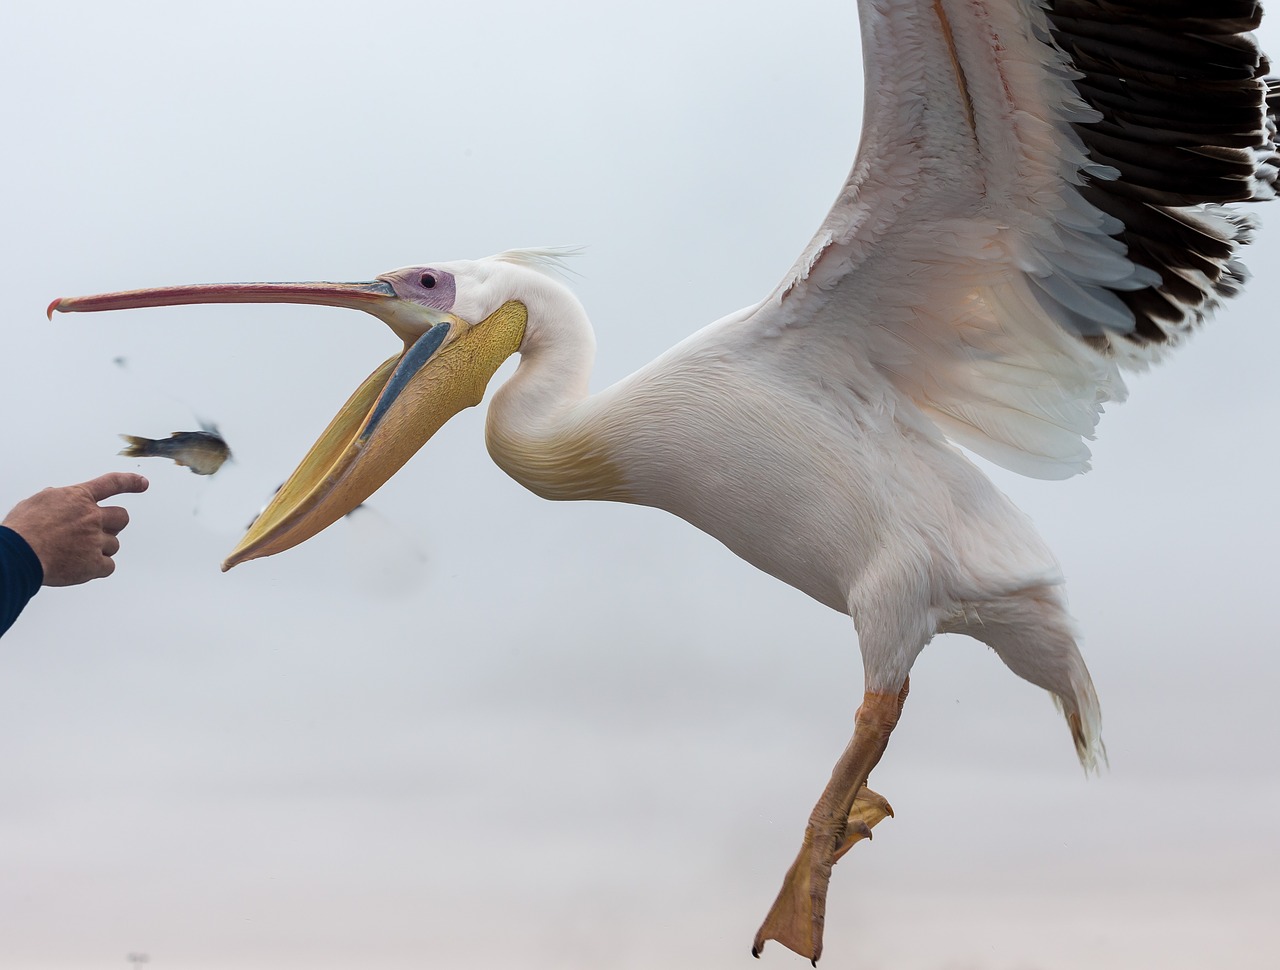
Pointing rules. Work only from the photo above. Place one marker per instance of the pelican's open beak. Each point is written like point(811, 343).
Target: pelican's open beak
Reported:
point(446, 365)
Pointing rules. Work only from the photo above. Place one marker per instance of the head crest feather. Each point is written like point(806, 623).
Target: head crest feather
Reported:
point(548, 260)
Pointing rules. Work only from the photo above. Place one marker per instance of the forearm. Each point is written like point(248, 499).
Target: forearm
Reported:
point(20, 576)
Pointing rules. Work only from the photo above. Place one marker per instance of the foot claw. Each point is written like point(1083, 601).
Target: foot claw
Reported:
point(869, 808)
point(857, 827)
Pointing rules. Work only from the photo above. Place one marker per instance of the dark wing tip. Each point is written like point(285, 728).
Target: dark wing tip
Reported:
point(1188, 120)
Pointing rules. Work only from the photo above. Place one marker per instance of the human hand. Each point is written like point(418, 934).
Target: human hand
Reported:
point(72, 535)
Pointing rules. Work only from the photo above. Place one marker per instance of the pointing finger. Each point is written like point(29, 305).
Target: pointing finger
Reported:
point(115, 483)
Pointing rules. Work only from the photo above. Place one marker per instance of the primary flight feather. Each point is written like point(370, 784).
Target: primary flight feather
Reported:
point(1043, 198)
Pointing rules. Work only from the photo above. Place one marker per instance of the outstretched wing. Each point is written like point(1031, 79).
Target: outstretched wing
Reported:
point(1041, 196)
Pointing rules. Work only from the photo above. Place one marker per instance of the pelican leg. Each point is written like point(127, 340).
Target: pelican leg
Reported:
point(843, 816)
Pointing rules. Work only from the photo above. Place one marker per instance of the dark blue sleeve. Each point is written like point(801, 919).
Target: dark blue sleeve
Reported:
point(20, 576)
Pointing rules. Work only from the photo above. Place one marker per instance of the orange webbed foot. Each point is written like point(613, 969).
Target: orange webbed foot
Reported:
point(797, 916)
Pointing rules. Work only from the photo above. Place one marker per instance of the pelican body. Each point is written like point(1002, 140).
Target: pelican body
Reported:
point(1042, 197)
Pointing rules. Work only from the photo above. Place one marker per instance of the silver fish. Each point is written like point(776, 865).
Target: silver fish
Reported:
point(201, 451)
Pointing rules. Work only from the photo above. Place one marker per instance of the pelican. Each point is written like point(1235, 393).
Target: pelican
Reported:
point(1042, 199)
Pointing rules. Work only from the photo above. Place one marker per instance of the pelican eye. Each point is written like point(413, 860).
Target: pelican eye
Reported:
point(428, 280)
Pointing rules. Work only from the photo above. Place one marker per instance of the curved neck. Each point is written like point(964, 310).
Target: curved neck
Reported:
point(542, 428)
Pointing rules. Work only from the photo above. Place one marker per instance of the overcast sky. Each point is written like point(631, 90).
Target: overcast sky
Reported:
point(471, 728)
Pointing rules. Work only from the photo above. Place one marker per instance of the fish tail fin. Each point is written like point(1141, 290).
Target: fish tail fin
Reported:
point(136, 447)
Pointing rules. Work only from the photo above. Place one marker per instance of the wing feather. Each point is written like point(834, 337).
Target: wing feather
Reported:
point(1041, 197)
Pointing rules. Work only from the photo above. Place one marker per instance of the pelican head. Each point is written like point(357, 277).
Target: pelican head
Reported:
point(458, 326)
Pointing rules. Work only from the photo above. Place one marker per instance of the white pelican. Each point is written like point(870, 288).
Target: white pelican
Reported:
point(1040, 200)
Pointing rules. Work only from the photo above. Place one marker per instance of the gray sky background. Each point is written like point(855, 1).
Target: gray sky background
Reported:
point(469, 727)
